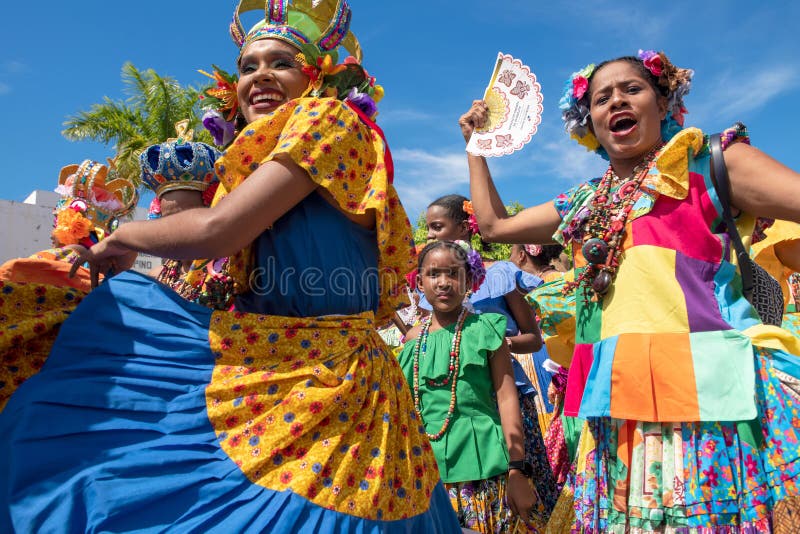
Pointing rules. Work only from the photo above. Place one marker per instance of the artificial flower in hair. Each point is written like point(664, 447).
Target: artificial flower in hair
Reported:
point(71, 227)
point(362, 101)
point(533, 250)
point(652, 61)
point(222, 96)
point(471, 220)
point(675, 81)
point(575, 108)
point(221, 130)
point(347, 81)
point(475, 267)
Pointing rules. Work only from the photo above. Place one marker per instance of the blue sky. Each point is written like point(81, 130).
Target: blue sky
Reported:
point(432, 57)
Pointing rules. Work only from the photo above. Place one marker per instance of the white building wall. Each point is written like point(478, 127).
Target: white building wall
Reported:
point(25, 228)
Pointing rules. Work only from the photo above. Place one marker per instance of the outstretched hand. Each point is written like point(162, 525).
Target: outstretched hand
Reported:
point(476, 117)
point(108, 257)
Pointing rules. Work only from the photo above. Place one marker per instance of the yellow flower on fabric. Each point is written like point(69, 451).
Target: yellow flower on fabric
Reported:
point(71, 227)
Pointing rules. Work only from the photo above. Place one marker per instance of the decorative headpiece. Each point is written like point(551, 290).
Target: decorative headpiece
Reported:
point(471, 220)
point(179, 164)
point(674, 82)
point(323, 23)
point(93, 199)
point(533, 250)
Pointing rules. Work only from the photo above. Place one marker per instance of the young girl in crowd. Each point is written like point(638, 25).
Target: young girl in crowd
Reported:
point(448, 218)
point(457, 363)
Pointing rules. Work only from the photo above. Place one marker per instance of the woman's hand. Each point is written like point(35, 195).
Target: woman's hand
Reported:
point(476, 117)
point(108, 257)
point(520, 494)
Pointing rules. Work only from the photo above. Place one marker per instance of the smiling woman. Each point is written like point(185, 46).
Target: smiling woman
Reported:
point(269, 76)
point(669, 355)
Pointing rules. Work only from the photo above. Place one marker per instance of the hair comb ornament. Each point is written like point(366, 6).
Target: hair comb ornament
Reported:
point(93, 200)
point(179, 164)
point(323, 23)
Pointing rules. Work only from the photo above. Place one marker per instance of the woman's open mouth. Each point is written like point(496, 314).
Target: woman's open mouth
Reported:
point(263, 100)
point(622, 125)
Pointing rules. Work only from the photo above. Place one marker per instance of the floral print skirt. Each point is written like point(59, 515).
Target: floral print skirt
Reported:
point(702, 477)
point(536, 455)
point(481, 506)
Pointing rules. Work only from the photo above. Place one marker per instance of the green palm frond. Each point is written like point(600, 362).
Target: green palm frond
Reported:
point(153, 105)
point(107, 122)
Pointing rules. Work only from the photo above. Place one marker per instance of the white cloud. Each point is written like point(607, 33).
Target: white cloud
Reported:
point(736, 93)
point(422, 176)
point(14, 66)
point(564, 159)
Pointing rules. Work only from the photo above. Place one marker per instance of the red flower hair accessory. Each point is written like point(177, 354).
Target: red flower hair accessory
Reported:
point(471, 220)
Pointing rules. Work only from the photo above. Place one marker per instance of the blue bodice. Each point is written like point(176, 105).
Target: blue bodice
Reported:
point(314, 261)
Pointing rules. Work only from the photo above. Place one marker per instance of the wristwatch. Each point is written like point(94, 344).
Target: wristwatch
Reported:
point(523, 466)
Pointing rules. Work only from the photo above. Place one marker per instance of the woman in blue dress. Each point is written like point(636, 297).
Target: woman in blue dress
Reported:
point(288, 413)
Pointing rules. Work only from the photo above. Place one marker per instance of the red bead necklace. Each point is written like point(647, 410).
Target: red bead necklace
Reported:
point(604, 230)
point(421, 347)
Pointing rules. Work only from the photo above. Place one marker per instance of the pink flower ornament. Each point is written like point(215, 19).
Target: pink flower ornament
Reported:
point(579, 86)
point(652, 61)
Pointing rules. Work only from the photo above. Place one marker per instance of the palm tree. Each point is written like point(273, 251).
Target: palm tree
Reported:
point(148, 116)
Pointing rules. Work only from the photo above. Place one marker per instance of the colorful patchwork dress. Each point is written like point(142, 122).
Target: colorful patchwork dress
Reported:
point(689, 426)
point(152, 413)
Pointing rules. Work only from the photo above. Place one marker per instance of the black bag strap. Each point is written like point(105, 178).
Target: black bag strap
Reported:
point(719, 177)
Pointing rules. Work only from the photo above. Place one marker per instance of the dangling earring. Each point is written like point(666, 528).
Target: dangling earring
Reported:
point(239, 122)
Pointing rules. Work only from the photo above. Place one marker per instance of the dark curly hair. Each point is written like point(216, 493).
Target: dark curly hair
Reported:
point(454, 207)
point(548, 254)
point(639, 65)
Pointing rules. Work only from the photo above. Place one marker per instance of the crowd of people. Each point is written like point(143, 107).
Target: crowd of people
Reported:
point(299, 364)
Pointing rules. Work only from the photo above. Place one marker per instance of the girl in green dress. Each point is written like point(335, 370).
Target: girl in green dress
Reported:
point(459, 369)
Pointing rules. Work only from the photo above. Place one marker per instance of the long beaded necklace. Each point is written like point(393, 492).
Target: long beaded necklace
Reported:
point(452, 370)
point(604, 230)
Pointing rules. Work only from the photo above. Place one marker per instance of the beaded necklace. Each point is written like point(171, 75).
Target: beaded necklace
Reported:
point(421, 346)
point(604, 230)
point(215, 293)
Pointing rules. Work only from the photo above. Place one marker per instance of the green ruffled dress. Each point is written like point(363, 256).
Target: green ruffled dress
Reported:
point(473, 448)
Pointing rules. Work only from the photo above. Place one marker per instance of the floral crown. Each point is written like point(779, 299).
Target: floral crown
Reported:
point(93, 199)
point(574, 104)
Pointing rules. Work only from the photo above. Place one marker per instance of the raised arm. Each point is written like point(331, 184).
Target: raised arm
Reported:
point(532, 225)
point(761, 185)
